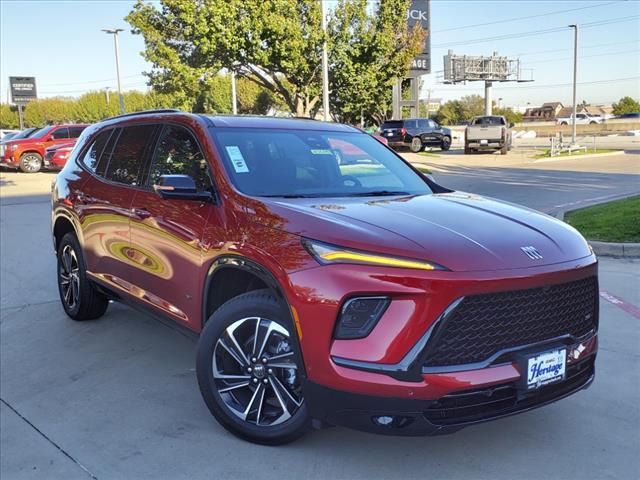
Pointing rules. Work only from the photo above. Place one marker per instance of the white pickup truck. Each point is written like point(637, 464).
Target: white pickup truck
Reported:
point(581, 119)
point(488, 133)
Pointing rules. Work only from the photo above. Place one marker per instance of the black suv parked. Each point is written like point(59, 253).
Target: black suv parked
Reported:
point(416, 133)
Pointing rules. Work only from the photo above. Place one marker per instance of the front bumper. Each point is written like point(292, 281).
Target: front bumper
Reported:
point(446, 414)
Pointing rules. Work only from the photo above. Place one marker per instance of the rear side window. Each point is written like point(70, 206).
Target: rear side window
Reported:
point(178, 153)
point(60, 133)
point(74, 132)
point(128, 155)
point(392, 124)
point(92, 156)
point(423, 124)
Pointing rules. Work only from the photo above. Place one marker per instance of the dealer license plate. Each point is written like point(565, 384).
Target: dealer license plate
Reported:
point(484, 142)
point(546, 368)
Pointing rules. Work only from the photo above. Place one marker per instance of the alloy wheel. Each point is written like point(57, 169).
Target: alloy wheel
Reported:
point(32, 163)
point(255, 372)
point(69, 277)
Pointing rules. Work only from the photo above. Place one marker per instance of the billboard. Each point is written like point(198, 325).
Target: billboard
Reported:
point(420, 14)
point(23, 89)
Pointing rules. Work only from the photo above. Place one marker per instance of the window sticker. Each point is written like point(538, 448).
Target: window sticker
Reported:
point(237, 160)
point(322, 152)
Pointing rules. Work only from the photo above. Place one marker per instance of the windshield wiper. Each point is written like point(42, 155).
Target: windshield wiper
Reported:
point(379, 193)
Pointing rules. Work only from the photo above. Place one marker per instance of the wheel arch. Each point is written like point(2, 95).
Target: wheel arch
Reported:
point(63, 224)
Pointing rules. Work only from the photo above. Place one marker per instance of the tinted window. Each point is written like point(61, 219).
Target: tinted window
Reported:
point(42, 132)
point(392, 124)
point(128, 155)
point(489, 121)
point(410, 124)
point(74, 132)
point(268, 162)
point(178, 153)
point(60, 133)
point(91, 157)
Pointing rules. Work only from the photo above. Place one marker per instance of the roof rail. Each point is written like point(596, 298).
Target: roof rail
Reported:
point(146, 112)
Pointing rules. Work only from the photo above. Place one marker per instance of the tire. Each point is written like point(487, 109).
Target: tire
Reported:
point(284, 416)
point(505, 149)
point(416, 145)
point(564, 123)
point(446, 144)
point(593, 123)
point(30, 162)
point(80, 298)
point(467, 150)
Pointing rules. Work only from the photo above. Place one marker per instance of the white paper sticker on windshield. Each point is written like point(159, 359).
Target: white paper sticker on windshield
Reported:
point(322, 152)
point(237, 160)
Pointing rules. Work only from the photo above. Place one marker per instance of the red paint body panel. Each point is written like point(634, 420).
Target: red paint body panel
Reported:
point(160, 252)
point(34, 144)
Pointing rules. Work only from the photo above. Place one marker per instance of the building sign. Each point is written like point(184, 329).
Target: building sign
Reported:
point(420, 14)
point(23, 89)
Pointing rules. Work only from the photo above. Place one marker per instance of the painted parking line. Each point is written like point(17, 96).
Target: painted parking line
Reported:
point(630, 308)
point(588, 202)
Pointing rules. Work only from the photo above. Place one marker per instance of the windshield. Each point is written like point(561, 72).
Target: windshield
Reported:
point(24, 133)
point(488, 121)
point(286, 163)
point(40, 133)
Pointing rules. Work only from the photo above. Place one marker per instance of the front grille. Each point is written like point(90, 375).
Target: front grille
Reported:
point(483, 325)
point(475, 405)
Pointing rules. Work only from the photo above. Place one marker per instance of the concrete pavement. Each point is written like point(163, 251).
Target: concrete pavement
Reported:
point(117, 397)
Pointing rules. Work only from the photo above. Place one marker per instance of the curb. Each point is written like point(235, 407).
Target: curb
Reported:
point(609, 249)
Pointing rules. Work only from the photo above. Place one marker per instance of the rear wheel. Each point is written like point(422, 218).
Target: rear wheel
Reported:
point(249, 372)
point(467, 150)
point(80, 298)
point(416, 145)
point(505, 149)
point(446, 144)
point(30, 162)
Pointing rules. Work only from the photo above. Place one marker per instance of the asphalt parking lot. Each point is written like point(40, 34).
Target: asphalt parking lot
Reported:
point(117, 397)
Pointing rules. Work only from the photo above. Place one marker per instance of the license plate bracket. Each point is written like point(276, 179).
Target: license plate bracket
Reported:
point(543, 368)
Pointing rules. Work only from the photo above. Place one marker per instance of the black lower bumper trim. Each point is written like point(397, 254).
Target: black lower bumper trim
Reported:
point(432, 417)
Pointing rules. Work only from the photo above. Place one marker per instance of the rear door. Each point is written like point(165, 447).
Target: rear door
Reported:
point(166, 234)
point(57, 137)
point(391, 130)
point(116, 159)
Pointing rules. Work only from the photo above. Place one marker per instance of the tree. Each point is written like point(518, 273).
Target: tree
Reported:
point(277, 45)
point(457, 111)
point(367, 52)
point(626, 105)
point(9, 117)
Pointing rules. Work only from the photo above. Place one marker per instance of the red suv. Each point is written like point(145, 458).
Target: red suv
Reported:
point(361, 294)
point(28, 154)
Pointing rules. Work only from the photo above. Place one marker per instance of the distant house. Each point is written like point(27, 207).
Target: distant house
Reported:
point(604, 111)
point(548, 111)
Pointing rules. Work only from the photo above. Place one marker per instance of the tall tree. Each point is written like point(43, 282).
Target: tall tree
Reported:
point(368, 50)
point(276, 44)
point(626, 105)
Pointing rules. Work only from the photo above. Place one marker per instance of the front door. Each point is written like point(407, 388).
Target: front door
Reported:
point(166, 249)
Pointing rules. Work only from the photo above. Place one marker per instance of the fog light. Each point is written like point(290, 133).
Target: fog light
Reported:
point(383, 420)
point(358, 316)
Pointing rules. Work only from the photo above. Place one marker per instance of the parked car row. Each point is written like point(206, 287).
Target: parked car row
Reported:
point(34, 149)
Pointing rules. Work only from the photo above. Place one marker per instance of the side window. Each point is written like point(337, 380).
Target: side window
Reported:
point(129, 154)
point(423, 124)
point(178, 153)
point(92, 156)
point(60, 134)
point(74, 132)
point(433, 124)
point(410, 124)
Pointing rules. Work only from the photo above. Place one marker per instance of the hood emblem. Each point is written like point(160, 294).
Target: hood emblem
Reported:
point(532, 252)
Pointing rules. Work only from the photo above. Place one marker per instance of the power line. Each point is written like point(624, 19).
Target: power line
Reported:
point(89, 81)
point(536, 32)
point(571, 49)
point(515, 19)
point(594, 82)
point(608, 54)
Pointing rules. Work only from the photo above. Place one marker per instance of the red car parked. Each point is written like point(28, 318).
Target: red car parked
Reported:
point(27, 154)
point(363, 295)
point(56, 157)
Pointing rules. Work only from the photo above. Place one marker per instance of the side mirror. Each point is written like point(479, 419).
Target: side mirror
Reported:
point(180, 187)
point(511, 125)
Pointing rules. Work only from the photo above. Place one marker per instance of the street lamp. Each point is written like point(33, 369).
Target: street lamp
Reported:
point(325, 67)
point(115, 32)
point(575, 79)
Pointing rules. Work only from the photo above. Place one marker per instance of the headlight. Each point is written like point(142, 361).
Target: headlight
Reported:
point(13, 147)
point(329, 254)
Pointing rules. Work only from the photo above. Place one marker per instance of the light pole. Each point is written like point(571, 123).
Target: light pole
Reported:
point(115, 32)
point(325, 67)
point(234, 101)
point(575, 80)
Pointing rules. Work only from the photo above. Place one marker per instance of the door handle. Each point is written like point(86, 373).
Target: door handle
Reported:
point(140, 213)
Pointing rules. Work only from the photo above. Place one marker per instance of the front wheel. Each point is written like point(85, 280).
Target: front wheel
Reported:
point(416, 145)
point(446, 144)
point(30, 162)
point(249, 372)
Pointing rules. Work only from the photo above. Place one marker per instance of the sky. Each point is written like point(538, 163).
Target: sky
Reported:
point(62, 45)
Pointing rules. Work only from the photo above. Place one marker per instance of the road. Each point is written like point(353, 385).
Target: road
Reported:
point(117, 398)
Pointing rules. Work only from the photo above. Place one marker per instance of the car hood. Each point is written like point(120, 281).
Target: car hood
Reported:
point(463, 232)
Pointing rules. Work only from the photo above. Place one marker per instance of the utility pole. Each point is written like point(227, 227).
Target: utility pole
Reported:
point(575, 82)
point(488, 102)
point(115, 32)
point(234, 101)
point(325, 67)
point(106, 95)
point(428, 102)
